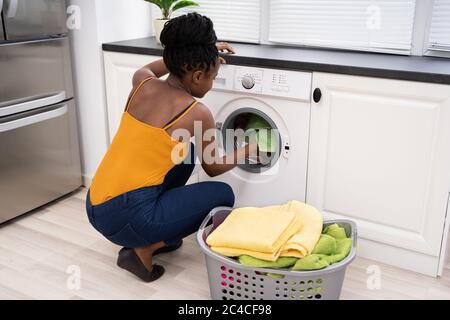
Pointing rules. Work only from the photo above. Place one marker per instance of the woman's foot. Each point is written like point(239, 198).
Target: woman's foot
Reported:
point(139, 263)
point(165, 249)
point(168, 248)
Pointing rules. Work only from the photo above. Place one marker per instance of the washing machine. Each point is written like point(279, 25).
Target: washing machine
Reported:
point(282, 100)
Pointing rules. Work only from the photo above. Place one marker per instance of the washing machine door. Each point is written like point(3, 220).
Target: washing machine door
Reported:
point(280, 175)
point(241, 125)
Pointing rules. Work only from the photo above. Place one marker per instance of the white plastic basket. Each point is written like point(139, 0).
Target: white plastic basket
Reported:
point(229, 280)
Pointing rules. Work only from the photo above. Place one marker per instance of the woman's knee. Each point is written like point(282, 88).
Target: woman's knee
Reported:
point(227, 194)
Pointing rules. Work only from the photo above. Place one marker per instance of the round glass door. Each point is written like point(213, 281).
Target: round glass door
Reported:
point(248, 124)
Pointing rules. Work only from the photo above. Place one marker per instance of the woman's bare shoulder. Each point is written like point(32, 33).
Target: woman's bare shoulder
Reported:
point(203, 113)
point(202, 110)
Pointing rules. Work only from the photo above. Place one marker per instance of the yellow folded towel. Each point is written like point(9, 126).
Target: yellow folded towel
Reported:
point(303, 242)
point(233, 252)
point(257, 232)
point(290, 230)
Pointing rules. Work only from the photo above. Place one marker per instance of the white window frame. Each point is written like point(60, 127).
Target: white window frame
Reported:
point(421, 26)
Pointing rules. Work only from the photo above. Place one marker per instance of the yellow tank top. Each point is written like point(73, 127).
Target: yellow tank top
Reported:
point(139, 156)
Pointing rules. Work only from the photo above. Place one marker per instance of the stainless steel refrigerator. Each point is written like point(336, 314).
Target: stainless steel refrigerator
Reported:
point(39, 149)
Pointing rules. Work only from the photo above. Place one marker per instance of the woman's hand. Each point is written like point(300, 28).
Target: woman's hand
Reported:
point(224, 47)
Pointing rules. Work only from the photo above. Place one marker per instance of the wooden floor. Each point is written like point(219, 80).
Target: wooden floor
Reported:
point(39, 251)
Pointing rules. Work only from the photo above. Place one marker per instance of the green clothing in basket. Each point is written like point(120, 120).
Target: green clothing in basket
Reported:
point(332, 247)
point(282, 262)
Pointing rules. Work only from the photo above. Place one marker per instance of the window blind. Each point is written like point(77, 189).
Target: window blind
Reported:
point(384, 26)
point(439, 38)
point(233, 20)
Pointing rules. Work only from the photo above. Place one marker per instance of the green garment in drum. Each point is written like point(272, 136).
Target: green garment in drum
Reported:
point(266, 135)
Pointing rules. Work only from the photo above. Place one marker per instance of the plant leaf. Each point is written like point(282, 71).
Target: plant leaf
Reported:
point(158, 3)
point(167, 4)
point(183, 4)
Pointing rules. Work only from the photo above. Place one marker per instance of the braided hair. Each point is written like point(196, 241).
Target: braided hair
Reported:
point(189, 43)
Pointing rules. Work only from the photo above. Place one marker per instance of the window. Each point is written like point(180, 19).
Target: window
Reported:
point(233, 20)
point(439, 38)
point(389, 26)
point(384, 26)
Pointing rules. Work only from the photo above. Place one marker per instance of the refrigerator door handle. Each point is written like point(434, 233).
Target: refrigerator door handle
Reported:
point(32, 104)
point(40, 117)
point(1, 6)
point(12, 6)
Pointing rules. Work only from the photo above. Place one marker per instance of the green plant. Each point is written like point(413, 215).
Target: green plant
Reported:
point(170, 6)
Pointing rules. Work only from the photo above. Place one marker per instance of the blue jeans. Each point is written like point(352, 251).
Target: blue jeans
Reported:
point(168, 212)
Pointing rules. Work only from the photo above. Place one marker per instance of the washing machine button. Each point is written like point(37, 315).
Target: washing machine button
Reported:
point(248, 82)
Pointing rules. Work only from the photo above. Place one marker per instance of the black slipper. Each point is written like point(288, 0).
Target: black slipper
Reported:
point(168, 248)
point(165, 249)
point(129, 261)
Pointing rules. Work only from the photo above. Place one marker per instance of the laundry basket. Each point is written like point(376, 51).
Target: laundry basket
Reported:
point(229, 280)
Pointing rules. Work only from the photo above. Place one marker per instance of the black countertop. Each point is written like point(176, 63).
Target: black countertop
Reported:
point(414, 68)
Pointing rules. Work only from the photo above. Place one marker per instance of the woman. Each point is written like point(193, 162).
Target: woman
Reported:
point(139, 198)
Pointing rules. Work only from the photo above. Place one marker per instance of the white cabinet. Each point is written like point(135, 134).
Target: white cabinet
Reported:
point(380, 155)
point(119, 71)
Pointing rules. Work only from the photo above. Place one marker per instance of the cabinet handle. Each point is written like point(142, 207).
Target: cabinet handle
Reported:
point(27, 121)
point(31, 103)
point(317, 95)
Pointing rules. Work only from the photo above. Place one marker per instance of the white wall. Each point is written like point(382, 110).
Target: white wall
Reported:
point(123, 19)
point(101, 21)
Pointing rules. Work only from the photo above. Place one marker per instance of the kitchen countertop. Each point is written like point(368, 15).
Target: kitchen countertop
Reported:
point(414, 68)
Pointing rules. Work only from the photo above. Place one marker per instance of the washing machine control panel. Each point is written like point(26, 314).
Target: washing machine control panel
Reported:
point(280, 83)
point(249, 79)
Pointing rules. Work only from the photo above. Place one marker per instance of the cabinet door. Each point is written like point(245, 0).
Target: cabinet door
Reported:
point(119, 71)
point(380, 155)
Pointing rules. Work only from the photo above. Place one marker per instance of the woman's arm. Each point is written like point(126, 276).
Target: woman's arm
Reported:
point(231, 160)
point(211, 162)
point(156, 69)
